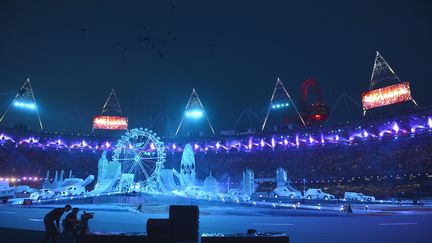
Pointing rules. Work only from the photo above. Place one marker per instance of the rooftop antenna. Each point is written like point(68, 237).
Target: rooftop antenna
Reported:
point(280, 99)
point(24, 99)
point(195, 110)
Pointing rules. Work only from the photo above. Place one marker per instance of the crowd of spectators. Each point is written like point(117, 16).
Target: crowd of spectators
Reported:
point(27, 161)
point(389, 165)
point(386, 167)
point(381, 158)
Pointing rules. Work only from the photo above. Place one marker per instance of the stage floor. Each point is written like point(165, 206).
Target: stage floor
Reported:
point(383, 224)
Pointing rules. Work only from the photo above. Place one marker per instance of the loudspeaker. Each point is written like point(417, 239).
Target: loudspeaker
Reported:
point(158, 227)
point(184, 222)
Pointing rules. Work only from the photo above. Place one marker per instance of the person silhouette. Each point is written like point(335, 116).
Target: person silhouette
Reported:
point(52, 229)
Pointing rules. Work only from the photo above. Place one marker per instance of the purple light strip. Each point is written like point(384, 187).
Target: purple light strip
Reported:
point(274, 142)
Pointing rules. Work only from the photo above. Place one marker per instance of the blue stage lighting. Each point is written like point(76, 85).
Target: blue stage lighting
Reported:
point(396, 127)
point(194, 114)
point(25, 105)
point(279, 105)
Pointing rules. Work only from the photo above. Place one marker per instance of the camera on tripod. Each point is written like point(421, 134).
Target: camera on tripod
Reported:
point(86, 216)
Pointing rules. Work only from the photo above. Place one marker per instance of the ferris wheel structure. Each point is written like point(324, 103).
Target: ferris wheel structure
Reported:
point(141, 153)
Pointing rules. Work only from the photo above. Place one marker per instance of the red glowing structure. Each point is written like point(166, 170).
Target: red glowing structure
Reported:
point(392, 90)
point(316, 111)
point(388, 95)
point(111, 117)
point(110, 122)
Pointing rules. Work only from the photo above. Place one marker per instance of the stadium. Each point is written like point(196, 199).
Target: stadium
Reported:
point(215, 121)
point(293, 161)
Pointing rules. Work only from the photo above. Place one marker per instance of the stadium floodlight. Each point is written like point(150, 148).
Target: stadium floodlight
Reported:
point(280, 99)
point(194, 114)
point(383, 72)
point(430, 122)
point(194, 110)
point(25, 105)
point(111, 117)
point(25, 100)
point(279, 105)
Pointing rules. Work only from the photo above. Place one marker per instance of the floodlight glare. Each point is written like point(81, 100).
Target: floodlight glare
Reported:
point(279, 105)
point(396, 127)
point(194, 114)
point(365, 134)
point(30, 106)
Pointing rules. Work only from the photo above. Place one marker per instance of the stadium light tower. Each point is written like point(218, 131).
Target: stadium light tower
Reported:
point(280, 99)
point(383, 72)
point(194, 110)
point(112, 106)
point(24, 100)
point(111, 117)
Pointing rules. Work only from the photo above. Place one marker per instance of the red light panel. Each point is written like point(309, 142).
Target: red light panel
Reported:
point(386, 96)
point(110, 123)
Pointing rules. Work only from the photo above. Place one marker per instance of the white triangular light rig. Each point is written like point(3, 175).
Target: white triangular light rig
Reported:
point(112, 105)
point(194, 110)
point(111, 116)
point(280, 100)
point(382, 71)
point(24, 100)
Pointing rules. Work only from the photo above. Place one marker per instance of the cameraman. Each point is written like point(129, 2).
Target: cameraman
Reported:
point(71, 222)
point(50, 228)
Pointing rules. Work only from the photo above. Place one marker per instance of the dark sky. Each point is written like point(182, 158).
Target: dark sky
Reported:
point(230, 51)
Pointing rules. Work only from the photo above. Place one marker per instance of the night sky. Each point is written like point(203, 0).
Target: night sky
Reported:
point(154, 52)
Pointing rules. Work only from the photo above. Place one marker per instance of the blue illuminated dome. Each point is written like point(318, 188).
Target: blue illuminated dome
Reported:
point(211, 184)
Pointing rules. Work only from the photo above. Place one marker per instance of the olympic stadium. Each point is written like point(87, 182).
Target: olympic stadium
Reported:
point(300, 167)
point(273, 177)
